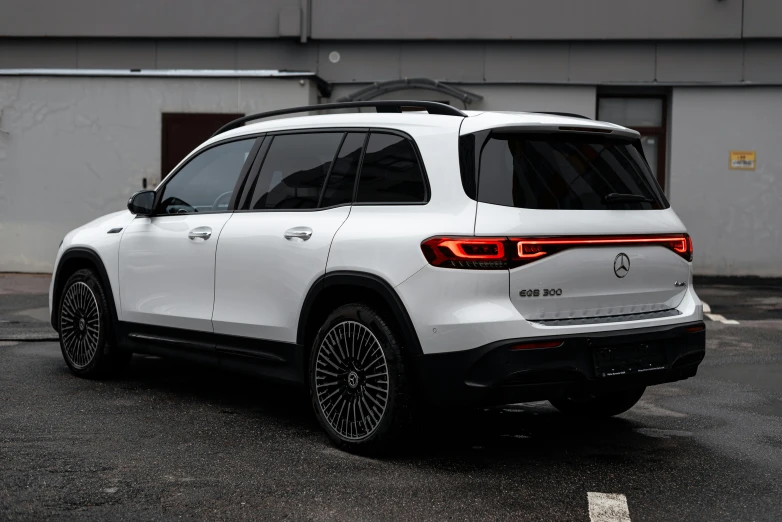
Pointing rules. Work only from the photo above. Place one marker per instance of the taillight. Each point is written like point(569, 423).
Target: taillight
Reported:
point(497, 253)
point(487, 253)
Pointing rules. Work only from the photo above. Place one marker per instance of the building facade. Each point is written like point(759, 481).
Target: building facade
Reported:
point(99, 98)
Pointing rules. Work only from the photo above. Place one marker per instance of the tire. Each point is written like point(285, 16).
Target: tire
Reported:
point(365, 407)
point(599, 406)
point(85, 325)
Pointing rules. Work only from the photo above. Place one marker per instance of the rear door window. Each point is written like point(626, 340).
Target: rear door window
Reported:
point(565, 171)
point(294, 170)
point(390, 172)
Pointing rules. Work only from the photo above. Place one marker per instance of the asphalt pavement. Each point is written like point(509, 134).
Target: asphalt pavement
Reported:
point(172, 441)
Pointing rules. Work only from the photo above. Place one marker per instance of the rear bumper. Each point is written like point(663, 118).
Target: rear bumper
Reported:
point(495, 374)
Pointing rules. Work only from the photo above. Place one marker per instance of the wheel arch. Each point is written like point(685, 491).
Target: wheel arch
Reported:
point(342, 287)
point(72, 260)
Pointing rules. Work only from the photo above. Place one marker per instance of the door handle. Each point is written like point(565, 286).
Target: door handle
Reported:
point(298, 234)
point(200, 234)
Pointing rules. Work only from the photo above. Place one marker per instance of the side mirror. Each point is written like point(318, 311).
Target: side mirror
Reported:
point(142, 203)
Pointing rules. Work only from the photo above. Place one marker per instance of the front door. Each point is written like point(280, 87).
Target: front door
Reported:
point(167, 261)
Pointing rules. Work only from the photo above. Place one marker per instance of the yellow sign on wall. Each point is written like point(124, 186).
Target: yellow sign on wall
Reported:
point(742, 160)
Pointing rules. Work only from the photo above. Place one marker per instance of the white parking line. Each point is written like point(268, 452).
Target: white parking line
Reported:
point(608, 507)
point(716, 317)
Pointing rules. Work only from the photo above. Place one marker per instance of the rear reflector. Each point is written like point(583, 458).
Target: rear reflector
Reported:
point(533, 346)
point(497, 253)
point(696, 328)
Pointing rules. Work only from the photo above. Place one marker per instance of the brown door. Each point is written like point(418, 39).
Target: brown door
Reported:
point(184, 132)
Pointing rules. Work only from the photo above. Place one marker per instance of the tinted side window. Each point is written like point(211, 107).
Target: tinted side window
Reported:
point(206, 182)
point(339, 188)
point(390, 172)
point(294, 170)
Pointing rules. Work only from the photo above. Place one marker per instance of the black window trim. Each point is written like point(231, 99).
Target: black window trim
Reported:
point(238, 187)
point(254, 172)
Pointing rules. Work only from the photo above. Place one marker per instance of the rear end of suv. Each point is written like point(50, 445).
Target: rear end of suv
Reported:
point(575, 285)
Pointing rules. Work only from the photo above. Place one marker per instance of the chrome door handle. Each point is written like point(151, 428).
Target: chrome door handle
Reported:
point(200, 234)
point(298, 234)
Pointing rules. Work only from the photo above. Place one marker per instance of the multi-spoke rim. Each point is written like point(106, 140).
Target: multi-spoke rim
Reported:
point(80, 324)
point(351, 380)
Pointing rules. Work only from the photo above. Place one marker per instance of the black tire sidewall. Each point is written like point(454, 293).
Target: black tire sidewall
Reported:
point(97, 367)
point(398, 409)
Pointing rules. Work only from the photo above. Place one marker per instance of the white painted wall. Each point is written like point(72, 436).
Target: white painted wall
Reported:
point(75, 148)
point(735, 217)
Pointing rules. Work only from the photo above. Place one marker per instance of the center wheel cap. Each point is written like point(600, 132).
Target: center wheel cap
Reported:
point(352, 379)
point(82, 324)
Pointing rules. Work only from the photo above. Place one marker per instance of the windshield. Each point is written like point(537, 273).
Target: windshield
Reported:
point(566, 171)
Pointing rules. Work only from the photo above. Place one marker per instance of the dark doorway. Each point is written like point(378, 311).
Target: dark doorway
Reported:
point(184, 132)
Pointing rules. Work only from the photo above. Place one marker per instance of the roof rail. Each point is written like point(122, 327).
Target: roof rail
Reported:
point(569, 114)
point(379, 105)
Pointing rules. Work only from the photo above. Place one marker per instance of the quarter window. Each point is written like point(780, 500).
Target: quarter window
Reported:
point(295, 170)
point(206, 183)
point(390, 172)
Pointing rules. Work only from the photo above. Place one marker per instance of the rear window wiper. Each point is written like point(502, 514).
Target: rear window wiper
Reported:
point(615, 197)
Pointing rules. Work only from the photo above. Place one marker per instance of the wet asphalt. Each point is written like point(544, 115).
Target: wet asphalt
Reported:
point(168, 441)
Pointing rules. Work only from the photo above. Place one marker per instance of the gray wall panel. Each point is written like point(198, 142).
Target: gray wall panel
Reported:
point(535, 62)
point(116, 54)
point(525, 19)
point(276, 54)
point(611, 62)
point(763, 62)
point(700, 62)
point(147, 18)
point(762, 18)
point(196, 54)
point(56, 53)
point(732, 215)
point(364, 62)
point(455, 62)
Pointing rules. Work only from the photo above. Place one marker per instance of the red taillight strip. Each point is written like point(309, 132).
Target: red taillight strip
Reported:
point(530, 248)
point(498, 253)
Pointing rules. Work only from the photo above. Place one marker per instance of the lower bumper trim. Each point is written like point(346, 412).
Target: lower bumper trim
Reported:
point(495, 374)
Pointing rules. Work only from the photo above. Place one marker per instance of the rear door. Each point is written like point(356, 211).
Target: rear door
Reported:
point(582, 255)
point(277, 245)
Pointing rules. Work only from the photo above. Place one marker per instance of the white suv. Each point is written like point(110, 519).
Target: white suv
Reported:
point(417, 255)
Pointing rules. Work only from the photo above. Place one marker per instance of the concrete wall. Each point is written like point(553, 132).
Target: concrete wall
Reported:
point(73, 149)
point(397, 20)
point(735, 217)
point(605, 63)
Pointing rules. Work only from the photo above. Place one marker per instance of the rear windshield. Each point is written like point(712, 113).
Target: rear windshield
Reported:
point(564, 171)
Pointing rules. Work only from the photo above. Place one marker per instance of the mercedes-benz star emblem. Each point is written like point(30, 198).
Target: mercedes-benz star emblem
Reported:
point(352, 379)
point(621, 265)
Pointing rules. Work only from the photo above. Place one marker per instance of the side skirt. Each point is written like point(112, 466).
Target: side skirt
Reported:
point(271, 360)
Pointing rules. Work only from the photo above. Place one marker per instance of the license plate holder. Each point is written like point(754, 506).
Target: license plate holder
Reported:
point(628, 359)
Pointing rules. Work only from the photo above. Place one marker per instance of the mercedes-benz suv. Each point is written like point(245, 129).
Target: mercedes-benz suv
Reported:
point(417, 255)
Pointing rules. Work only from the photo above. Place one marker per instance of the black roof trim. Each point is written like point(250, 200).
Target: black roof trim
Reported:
point(378, 105)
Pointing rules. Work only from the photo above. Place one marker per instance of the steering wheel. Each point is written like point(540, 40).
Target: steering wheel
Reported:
point(220, 198)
